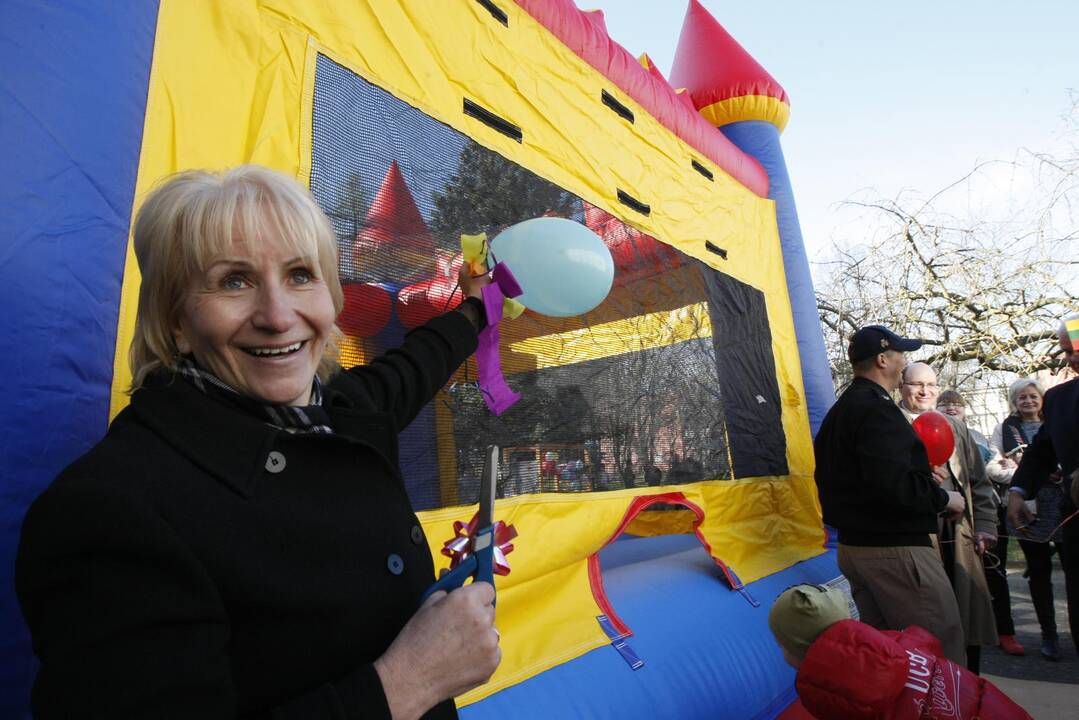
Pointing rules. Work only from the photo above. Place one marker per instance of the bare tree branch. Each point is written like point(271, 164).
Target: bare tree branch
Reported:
point(985, 294)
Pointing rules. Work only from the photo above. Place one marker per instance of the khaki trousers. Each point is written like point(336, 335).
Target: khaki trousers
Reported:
point(895, 587)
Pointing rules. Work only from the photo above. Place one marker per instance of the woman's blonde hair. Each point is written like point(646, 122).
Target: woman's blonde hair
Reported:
point(1019, 386)
point(193, 217)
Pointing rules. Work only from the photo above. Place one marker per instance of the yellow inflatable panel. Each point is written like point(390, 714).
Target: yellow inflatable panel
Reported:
point(748, 107)
point(232, 82)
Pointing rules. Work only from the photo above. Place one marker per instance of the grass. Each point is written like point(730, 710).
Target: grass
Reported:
point(1015, 554)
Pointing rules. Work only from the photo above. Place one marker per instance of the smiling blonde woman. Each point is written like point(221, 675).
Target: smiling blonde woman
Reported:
point(1010, 438)
point(241, 543)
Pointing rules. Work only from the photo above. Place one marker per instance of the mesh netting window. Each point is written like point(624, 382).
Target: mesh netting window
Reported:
point(670, 380)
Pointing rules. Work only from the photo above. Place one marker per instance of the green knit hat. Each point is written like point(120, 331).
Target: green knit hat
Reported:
point(803, 612)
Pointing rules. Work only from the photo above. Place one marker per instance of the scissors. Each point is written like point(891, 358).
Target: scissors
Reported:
point(479, 563)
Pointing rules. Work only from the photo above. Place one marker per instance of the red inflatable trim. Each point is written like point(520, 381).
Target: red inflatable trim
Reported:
point(585, 33)
point(636, 507)
point(713, 67)
point(367, 309)
point(636, 255)
point(423, 301)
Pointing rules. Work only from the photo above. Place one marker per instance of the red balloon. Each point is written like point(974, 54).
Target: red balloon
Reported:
point(416, 304)
point(367, 310)
point(936, 434)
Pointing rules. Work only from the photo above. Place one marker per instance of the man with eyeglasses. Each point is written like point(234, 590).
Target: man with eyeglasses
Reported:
point(877, 489)
point(962, 539)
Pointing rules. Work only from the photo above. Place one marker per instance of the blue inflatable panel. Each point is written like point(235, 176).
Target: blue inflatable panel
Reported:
point(761, 140)
point(707, 650)
point(71, 119)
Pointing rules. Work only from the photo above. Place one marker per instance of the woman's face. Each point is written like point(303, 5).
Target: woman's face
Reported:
point(955, 409)
point(1028, 402)
point(259, 320)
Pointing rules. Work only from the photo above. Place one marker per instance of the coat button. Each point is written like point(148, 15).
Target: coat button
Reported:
point(275, 462)
point(395, 564)
point(417, 535)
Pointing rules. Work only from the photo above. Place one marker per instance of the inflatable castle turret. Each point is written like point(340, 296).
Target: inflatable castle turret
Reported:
point(733, 92)
point(394, 238)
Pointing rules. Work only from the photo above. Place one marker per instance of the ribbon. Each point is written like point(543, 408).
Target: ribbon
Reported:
point(475, 251)
point(498, 302)
point(492, 383)
point(512, 309)
point(459, 546)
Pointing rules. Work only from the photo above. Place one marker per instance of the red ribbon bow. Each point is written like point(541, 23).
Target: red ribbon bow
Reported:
point(459, 546)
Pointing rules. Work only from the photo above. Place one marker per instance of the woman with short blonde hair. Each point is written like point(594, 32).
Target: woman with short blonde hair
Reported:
point(192, 218)
point(1010, 438)
point(241, 542)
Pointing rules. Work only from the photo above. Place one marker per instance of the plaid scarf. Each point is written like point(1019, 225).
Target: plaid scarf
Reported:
point(312, 418)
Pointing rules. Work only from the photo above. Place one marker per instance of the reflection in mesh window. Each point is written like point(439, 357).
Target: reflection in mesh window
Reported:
point(628, 395)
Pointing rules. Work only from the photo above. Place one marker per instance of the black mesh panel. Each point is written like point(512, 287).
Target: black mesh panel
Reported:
point(747, 372)
point(400, 189)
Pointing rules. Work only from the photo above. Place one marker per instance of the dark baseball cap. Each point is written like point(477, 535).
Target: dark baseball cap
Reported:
point(875, 339)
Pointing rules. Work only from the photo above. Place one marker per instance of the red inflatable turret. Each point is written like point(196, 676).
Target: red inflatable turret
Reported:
point(395, 242)
point(725, 83)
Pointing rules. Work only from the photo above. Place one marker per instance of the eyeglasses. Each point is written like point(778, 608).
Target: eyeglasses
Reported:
point(950, 405)
point(922, 385)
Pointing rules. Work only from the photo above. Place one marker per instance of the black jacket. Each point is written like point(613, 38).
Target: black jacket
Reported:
point(1056, 443)
point(198, 563)
point(873, 476)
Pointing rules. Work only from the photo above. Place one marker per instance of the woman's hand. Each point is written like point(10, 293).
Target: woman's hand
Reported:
point(448, 647)
point(472, 283)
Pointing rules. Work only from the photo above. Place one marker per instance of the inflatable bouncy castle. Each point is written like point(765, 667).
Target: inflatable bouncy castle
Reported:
point(658, 466)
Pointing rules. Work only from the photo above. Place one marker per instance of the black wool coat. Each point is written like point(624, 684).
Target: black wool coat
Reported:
point(199, 563)
point(873, 476)
point(1055, 445)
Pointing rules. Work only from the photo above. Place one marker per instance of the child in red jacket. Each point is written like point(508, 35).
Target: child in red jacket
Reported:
point(848, 670)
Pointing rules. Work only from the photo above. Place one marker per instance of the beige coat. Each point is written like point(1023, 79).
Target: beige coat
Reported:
point(967, 470)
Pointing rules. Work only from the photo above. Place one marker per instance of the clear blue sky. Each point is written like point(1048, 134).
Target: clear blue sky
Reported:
point(888, 96)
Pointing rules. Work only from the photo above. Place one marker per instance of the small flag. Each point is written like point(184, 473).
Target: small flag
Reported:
point(1072, 325)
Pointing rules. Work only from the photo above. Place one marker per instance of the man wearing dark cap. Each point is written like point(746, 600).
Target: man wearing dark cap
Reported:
point(877, 489)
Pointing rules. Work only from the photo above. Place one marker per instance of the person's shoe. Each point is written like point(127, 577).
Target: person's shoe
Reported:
point(1010, 645)
point(1051, 649)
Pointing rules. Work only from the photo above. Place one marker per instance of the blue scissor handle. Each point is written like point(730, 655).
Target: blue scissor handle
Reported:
point(484, 552)
point(478, 565)
point(453, 579)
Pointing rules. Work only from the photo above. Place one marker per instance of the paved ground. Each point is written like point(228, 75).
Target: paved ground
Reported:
point(1048, 690)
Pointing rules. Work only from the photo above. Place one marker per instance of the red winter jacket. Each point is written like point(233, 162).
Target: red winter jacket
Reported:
point(853, 671)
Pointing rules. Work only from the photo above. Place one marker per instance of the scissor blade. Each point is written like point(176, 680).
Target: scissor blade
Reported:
point(488, 484)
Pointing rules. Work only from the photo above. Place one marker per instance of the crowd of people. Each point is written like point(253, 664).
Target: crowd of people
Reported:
point(926, 545)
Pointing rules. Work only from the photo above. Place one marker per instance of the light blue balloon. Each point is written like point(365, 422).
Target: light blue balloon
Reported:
point(564, 268)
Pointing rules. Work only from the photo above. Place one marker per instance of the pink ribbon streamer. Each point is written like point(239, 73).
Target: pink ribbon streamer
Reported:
point(496, 392)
